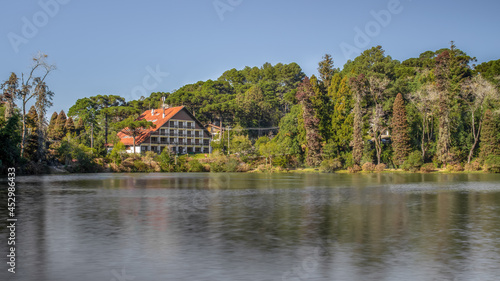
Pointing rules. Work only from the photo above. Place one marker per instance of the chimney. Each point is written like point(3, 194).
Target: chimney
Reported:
point(152, 112)
point(163, 111)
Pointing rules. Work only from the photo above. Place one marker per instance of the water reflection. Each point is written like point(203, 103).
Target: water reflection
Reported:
point(258, 227)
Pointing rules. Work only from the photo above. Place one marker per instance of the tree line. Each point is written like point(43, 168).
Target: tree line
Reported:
point(437, 108)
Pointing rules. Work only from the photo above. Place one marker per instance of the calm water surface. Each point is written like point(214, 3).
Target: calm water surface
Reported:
point(255, 227)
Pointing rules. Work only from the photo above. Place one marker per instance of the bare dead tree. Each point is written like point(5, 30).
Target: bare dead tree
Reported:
point(29, 87)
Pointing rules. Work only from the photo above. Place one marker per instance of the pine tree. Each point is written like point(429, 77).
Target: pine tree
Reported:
point(359, 86)
point(322, 108)
point(52, 124)
point(69, 126)
point(305, 94)
point(32, 145)
point(10, 93)
point(59, 129)
point(326, 70)
point(80, 126)
point(341, 115)
point(400, 138)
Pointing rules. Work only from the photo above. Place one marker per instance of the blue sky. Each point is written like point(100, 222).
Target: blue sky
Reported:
point(111, 47)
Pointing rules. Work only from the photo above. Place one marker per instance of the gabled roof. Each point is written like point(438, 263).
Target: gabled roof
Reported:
point(157, 119)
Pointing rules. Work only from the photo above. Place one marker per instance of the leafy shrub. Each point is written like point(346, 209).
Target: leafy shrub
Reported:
point(217, 166)
point(380, 167)
point(354, 169)
point(140, 166)
point(414, 162)
point(182, 164)
point(347, 159)
point(280, 161)
point(474, 165)
point(195, 166)
point(492, 164)
point(427, 168)
point(368, 167)
point(231, 165)
point(454, 168)
point(330, 165)
point(166, 161)
point(222, 164)
point(243, 167)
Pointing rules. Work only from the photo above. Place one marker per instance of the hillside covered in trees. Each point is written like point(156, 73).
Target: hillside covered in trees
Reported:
point(437, 110)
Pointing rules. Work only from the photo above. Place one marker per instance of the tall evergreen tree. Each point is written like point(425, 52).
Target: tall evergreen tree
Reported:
point(399, 134)
point(69, 126)
point(341, 115)
point(32, 131)
point(326, 70)
point(59, 130)
point(10, 92)
point(360, 88)
point(52, 125)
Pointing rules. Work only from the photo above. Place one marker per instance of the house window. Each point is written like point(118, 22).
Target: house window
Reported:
point(154, 139)
point(172, 124)
point(143, 148)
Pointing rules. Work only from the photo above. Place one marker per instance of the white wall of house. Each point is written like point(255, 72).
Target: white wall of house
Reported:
point(131, 149)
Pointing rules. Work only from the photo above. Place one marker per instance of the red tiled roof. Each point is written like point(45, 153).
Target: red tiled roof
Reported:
point(157, 119)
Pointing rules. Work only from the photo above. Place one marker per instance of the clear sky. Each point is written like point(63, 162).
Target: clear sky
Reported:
point(111, 47)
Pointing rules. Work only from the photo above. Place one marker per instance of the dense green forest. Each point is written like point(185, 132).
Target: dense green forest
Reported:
point(437, 110)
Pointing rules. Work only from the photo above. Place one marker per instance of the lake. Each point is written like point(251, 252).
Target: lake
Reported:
point(120, 227)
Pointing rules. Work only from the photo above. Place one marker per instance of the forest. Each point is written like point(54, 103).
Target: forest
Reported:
point(437, 111)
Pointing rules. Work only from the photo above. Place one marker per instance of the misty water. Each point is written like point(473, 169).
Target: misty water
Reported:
point(120, 227)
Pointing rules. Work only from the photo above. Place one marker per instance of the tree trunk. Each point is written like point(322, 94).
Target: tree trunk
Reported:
point(476, 137)
point(378, 148)
point(106, 128)
point(23, 134)
point(133, 151)
point(422, 145)
point(92, 135)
